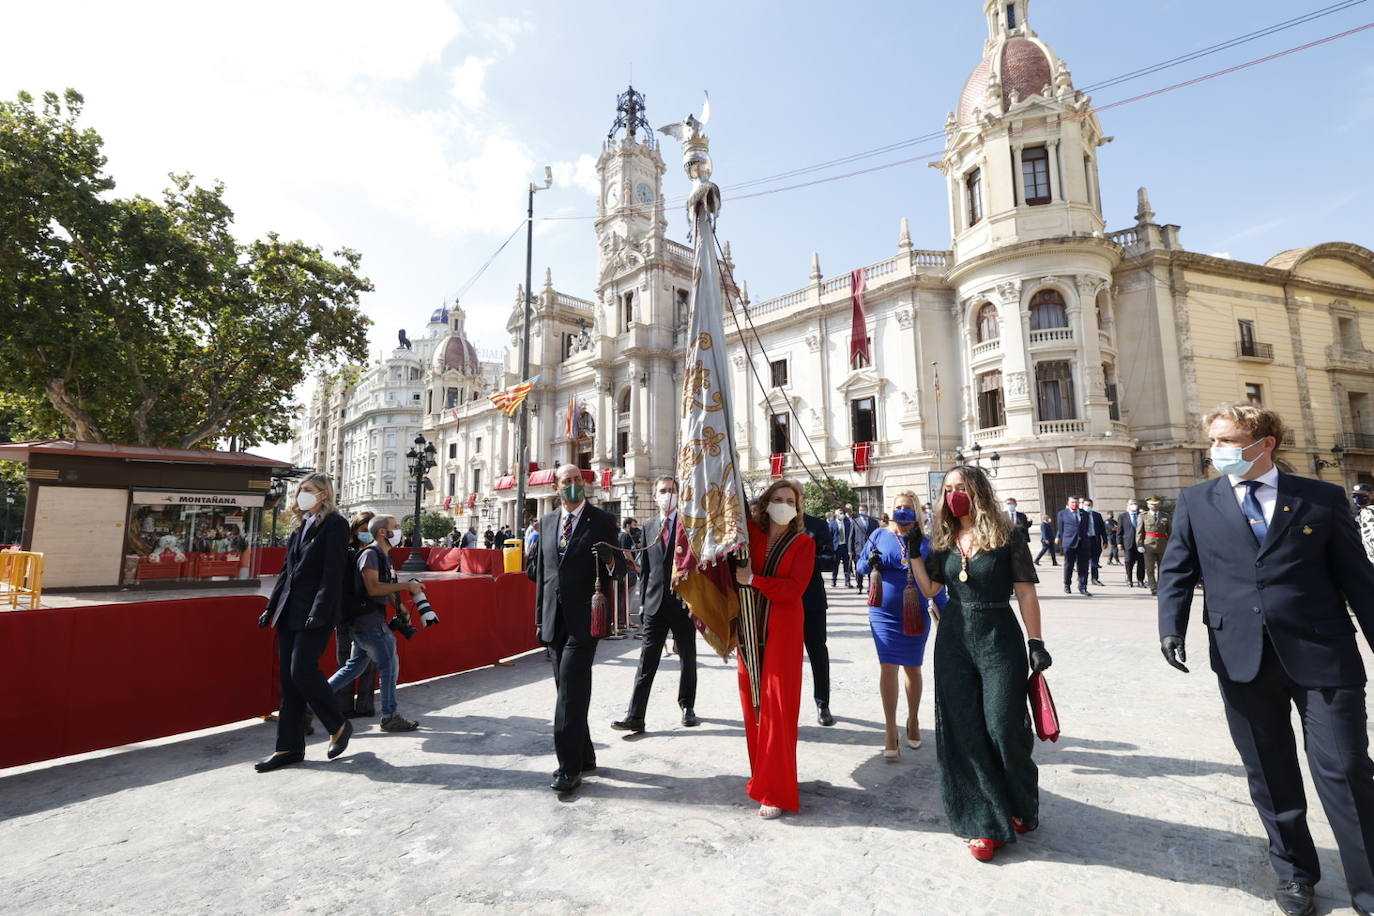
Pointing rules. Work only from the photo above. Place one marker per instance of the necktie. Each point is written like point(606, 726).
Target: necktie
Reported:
point(567, 533)
point(1253, 511)
point(667, 534)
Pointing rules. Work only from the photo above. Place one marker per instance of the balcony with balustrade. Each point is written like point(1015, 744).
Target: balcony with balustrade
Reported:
point(1254, 351)
point(1061, 427)
point(1054, 336)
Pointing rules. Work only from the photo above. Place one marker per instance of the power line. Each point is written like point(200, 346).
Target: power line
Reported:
point(936, 135)
point(462, 290)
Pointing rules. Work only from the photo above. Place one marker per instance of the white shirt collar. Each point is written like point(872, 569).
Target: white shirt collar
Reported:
point(575, 513)
point(1269, 478)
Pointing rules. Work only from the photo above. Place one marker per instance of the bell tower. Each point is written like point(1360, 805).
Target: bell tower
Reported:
point(631, 172)
point(1021, 147)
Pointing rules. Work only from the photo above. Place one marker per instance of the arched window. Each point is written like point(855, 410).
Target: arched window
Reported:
point(1047, 311)
point(988, 328)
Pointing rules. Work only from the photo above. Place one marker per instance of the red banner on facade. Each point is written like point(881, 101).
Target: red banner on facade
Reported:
point(863, 455)
point(858, 332)
point(605, 478)
point(775, 464)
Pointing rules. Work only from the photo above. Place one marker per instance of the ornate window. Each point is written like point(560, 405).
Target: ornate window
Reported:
point(1113, 399)
point(974, 184)
point(1054, 391)
point(778, 369)
point(991, 408)
point(779, 434)
point(988, 328)
point(1047, 311)
point(862, 425)
point(1035, 174)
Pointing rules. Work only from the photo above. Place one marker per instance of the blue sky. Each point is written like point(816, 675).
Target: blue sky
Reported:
point(409, 131)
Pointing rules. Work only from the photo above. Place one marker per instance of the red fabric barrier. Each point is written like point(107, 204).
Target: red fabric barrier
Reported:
point(177, 666)
point(271, 560)
point(479, 561)
point(514, 623)
point(465, 637)
point(444, 559)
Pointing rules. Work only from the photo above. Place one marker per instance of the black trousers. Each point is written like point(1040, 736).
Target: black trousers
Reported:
point(302, 684)
point(1337, 743)
point(365, 704)
point(813, 624)
point(1048, 547)
point(1095, 555)
point(1135, 560)
point(842, 559)
point(1078, 556)
point(657, 626)
point(572, 675)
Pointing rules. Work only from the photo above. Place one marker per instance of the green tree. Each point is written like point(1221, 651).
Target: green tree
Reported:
point(148, 322)
point(825, 496)
point(433, 525)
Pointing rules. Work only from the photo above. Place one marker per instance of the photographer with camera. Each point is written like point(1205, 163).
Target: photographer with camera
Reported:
point(371, 636)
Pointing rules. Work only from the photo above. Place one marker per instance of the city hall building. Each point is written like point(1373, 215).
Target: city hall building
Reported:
point(1073, 358)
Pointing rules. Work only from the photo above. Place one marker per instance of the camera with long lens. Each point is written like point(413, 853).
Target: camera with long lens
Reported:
point(427, 616)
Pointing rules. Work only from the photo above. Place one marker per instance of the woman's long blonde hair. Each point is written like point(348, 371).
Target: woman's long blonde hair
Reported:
point(325, 484)
point(991, 529)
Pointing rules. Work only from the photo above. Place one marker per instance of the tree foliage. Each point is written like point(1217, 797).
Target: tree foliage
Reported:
point(433, 525)
point(132, 320)
point(832, 494)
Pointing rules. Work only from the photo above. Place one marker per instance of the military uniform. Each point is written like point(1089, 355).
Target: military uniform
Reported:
point(1151, 538)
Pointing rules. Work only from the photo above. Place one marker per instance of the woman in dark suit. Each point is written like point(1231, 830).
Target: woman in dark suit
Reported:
point(305, 606)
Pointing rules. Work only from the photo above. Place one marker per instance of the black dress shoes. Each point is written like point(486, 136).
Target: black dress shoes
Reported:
point(1098, 583)
point(277, 761)
point(589, 767)
point(823, 715)
point(1295, 899)
point(689, 717)
point(562, 782)
point(629, 724)
point(1067, 590)
point(340, 744)
point(1085, 593)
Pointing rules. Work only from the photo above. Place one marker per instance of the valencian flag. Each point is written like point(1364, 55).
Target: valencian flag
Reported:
point(710, 501)
point(509, 401)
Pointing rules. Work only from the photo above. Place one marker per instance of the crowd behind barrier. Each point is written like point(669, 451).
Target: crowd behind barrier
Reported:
point(202, 662)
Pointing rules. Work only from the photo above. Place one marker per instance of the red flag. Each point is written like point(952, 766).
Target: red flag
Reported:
point(775, 464)
point(605, 478)
point(858, 332)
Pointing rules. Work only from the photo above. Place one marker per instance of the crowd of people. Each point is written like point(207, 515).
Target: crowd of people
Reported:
point(1284, 560)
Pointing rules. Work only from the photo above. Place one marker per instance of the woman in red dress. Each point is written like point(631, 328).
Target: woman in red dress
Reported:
point(773, 741)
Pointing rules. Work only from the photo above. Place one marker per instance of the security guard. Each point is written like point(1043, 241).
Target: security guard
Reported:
point(1151, 538)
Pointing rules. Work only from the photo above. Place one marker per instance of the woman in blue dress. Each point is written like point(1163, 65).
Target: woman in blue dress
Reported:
point(887, 553)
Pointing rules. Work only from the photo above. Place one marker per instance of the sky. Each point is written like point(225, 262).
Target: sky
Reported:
point(410, 131)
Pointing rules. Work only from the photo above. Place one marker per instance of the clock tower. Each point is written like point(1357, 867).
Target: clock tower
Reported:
point(631, 171)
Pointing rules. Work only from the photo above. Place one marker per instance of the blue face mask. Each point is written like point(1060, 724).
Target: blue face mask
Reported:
point(904, 516)
point(364, 537)
point(1231, 460)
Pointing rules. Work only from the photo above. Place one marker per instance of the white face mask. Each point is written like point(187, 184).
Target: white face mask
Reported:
point(1132, 508)
point(395, 538)
point(781, 513)
point(307, 500)
point(667, 502)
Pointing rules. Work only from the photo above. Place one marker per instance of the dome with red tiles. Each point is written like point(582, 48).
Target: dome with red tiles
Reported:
point(457, 354)
point(1022, 66)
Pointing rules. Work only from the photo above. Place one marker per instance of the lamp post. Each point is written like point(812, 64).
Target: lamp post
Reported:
point(9, 505)
point(522, 426)
point(278, 493)
point(1337, 453)
point(421, 459)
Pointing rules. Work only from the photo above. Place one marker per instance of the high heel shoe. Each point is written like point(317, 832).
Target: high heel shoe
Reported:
point(913, 743)
point(983, 849)
point(1020, 826)
point(892, 754)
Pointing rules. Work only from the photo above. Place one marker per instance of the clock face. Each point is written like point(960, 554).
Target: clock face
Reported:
point(644, 193)
point(613, 196)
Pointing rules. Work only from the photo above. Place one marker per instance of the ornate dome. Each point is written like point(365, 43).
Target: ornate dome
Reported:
point(439, 316)
point(456, 354)
point(1022, 66)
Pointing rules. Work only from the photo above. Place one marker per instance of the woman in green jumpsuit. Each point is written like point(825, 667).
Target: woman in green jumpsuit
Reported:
point(982, 728)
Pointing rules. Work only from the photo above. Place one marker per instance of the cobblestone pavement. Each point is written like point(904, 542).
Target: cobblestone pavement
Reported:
point(1144, 808)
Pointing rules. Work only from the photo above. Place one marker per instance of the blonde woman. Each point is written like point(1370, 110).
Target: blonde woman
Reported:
point(305, 606)
point(781, 558)
point(989, 782)
point(887, 554)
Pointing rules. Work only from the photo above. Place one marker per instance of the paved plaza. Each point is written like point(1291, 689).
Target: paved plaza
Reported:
point(1143, 803)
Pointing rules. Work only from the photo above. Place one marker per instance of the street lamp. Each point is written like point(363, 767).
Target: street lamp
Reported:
point(278, 492)
point(9, 505)
point(421, 459)
point(1337, 453)
point(522, 426)
point(994, 458)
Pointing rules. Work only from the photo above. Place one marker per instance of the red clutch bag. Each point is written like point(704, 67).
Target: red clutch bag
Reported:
point(1043, 713)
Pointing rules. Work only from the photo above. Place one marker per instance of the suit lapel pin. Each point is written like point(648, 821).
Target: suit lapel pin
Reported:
point(1306, 529)
point(1285, 508)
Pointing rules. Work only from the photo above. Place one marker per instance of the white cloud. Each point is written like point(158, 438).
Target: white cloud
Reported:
point(465, 82)
point(579, 174)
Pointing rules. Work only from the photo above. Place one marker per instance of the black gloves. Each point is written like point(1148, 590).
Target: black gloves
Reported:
point(875, 561)
point(266, 618)
point(1174, 654)
point(1039, 658)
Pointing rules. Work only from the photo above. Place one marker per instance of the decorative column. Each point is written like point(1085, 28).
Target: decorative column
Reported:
point(1016, 363)
point(1083, 318)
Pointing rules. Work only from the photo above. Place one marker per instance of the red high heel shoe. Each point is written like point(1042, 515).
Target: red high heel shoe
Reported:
point(983, 849)
point(1020, 826)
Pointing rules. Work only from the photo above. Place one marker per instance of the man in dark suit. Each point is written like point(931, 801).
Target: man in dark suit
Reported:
point(1097, 530)
point(1073, 541)
point(1018, 519)
point(1281, 559)
point(662, 613)
point(864, 525)
point(839, 547)
point(565, 569)
point(814, 606)
point(1133, 558)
